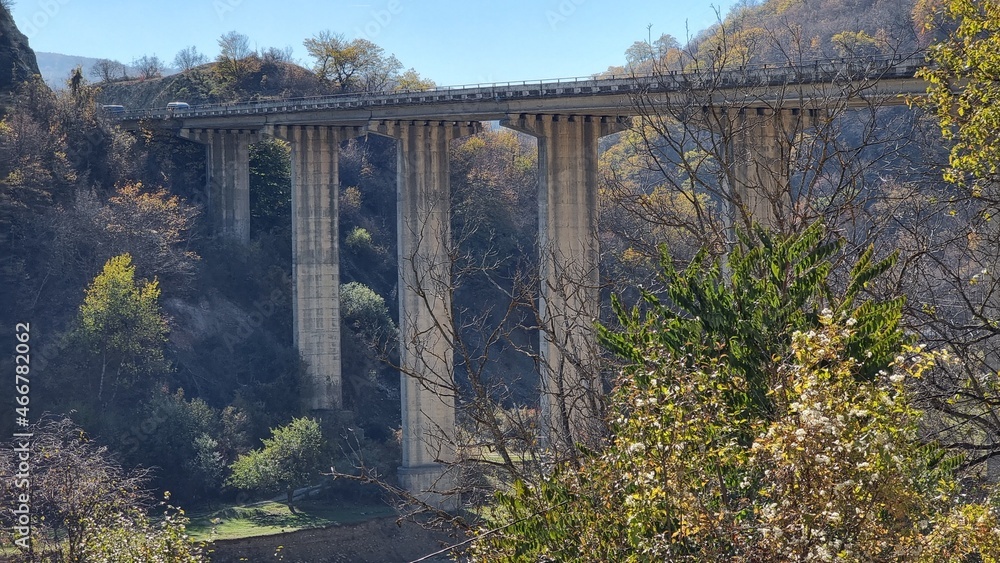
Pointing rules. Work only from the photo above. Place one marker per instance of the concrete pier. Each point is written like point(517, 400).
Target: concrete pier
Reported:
point(759, 142)
point(227, 185)
point(426, 323)
point(315, 154)
point(569, 256)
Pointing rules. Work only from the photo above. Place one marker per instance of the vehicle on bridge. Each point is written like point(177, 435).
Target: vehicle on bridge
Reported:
point(113, 108)
point(178, 105)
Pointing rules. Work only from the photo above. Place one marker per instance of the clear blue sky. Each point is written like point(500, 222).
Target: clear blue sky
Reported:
point(451, 42)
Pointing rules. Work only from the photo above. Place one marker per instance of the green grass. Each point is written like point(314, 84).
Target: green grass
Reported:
point(267, 518)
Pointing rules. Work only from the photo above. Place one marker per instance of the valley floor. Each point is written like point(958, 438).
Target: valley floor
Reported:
point(381, 540)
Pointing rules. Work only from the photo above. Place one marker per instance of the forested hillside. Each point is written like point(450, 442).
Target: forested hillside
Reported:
point(844, 357)
point(796, 32)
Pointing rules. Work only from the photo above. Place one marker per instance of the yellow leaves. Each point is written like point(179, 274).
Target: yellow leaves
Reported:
point(968, 57)
point(965, 530)
point(915, 361)
point(15, 178)
point(473, 144)
point(785, 5)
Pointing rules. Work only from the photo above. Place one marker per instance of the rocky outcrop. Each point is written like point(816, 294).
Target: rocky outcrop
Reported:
point(17, 60)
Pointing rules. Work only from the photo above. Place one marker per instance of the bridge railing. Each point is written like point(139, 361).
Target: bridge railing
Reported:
point(766, 74)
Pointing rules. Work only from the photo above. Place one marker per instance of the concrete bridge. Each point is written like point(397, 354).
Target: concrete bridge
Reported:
point(754, 104)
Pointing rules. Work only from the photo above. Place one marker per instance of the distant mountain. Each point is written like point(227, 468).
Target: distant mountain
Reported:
point(56, 68)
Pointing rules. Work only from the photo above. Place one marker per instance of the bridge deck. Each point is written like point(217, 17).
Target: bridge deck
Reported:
point(889, 79)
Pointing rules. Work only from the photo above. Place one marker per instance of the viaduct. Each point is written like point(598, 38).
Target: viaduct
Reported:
point(567, 117)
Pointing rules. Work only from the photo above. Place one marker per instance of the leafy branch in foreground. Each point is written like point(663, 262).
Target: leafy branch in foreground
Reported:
point(758, 417)
point(743, 312)
point(837, 473)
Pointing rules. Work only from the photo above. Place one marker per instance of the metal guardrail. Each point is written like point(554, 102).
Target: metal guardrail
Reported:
point(813, 72)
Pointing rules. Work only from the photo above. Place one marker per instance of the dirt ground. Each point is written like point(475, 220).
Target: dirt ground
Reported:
point(375, 541)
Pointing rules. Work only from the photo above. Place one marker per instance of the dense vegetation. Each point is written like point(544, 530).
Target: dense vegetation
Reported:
point(822, 388)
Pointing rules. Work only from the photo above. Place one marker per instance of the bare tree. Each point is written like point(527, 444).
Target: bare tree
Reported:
point(471, 329)
point(233, 55)
point(234, 45)
point(693, 169)
point(107, 70)
point(188, 58)
point(77, 491)
point(148, 67)
point(723, 144)
point(274, 55)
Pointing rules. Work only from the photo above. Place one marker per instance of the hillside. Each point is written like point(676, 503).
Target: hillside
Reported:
point(17, 60)
point(205, 85)
point(822, 28)
point(794, 31)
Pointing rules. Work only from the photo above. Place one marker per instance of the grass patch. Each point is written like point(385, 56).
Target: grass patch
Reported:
point(267, 518)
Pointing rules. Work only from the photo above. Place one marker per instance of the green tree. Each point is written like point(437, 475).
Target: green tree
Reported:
point(837, 474)
point(141, 540)
point(292, 457)
point(270, 186)
point(177, 436)
point(365, 311)
point(121, 327)
point(745, 311)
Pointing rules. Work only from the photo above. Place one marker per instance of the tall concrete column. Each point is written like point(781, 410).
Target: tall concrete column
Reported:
point(315, 154)
point(760, 141)
point(569, 303)
point(426, 324)
point(227, 183)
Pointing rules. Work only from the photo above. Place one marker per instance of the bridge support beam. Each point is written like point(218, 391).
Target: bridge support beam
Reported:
point(227, 182)
point(315, 154)
point(569, 256)
point(426, 324)
point(759, 141)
